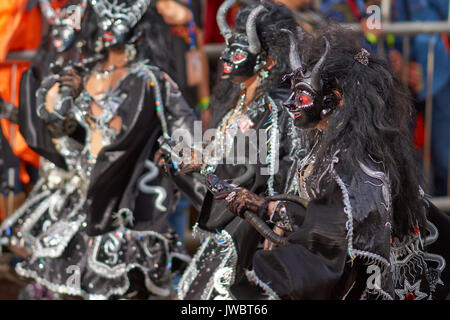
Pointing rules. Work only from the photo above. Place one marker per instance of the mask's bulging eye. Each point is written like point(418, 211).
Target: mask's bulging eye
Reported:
point(303, 99)
point(239, 56)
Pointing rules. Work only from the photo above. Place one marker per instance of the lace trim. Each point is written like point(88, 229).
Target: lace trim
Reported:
point(121, 269)
point(383, 263)
point(225, 271)
point(252, 277)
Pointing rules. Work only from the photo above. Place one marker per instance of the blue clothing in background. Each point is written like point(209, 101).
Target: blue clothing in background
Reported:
point(432, 10)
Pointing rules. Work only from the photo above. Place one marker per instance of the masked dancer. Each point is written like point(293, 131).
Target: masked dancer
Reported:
point(106, 233)
point(251, 144)
point(360, 227)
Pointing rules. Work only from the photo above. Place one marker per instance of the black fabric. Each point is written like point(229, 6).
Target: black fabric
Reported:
point(441, 246)
point(119, 164)
point(214, 214)
point(312, 264)
point(7, 160)
point(32, 128)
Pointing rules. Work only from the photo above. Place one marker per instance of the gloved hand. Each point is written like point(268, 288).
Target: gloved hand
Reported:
point(240, 199)
point(72, 79)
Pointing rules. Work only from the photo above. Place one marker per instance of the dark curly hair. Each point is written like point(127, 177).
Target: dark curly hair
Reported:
point(373, 121)
point(274, 42)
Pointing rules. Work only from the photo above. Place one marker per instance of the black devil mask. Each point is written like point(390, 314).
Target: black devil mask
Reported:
point(243, 56)
point(65, 22)
point(117, 18)
point(310, 100)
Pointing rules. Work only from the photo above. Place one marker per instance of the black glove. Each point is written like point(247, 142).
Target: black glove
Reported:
point(240, 200)
point(71, 79)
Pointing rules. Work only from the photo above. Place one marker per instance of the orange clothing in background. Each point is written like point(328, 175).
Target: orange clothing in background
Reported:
point(19, 30)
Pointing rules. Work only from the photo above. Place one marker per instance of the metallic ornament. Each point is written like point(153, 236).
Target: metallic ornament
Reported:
point(363, 57)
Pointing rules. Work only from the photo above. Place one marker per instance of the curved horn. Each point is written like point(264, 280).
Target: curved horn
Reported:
point(294, 58)
point(250, 29)
point(315, 73)
point(138, 10)
point(221, 18)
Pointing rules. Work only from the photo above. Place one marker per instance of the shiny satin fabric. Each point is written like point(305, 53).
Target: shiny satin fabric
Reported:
point(114, 180)
point(214, 215)
point(312, 264)
point(316, 263)
point(33, 129)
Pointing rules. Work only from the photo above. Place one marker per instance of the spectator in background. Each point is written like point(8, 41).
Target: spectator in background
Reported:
point(431, 10)
point(191, 73)
point(306, 15)
point(355, 11)
point(20, 30)
point(191, 64)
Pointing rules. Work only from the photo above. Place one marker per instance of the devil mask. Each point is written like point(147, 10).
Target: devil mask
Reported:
point(117, 18)
point(65, 23)
point(311, 99)
point(243, 56)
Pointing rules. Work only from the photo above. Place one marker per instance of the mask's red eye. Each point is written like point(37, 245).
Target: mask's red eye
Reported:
point(238, 57)
point(303, 99)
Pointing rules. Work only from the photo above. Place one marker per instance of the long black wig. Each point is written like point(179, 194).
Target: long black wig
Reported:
point(274, 42)
point(373, 120)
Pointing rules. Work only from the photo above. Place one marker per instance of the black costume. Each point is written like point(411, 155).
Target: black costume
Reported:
point(360, 227)
point(99, 229)
point(217, 267)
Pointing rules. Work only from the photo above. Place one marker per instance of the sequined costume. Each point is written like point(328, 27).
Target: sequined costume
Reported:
point(360, 226)
point(251, 148)
point(131, 232)
point(64, 25)
point(97, 225)
point(340, 245)
point(214, 267)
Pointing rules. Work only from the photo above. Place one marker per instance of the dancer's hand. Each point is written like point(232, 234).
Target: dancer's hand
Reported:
point(239, 200)
point(193, 163)
point(72, 79)
point(162, 160)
